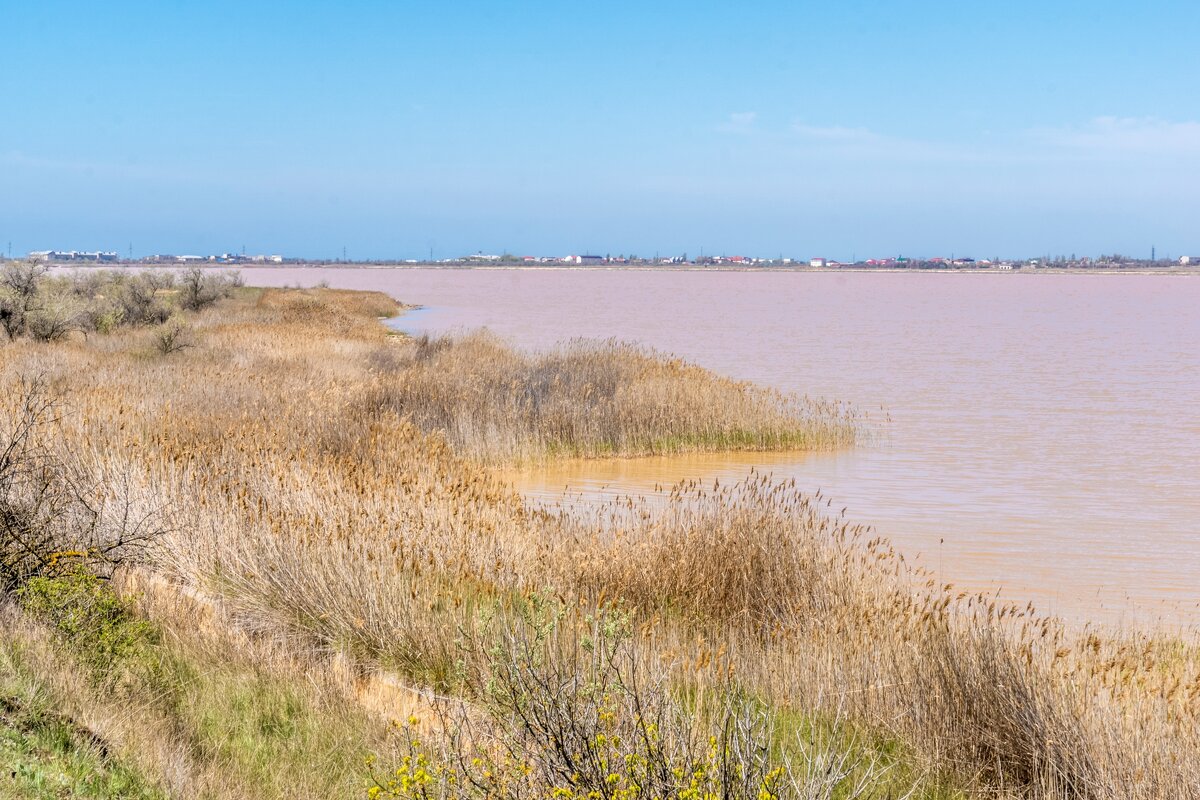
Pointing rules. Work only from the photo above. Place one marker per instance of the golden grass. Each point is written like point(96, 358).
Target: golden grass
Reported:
point(323, 482)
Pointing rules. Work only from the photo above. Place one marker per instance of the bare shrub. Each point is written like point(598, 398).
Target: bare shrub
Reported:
point(53, 510)
point(140, 300)
point(199, 289)
point(87, 284)
point(572, 707)
point(57, 314)
point(19, 285)
point(173, 336)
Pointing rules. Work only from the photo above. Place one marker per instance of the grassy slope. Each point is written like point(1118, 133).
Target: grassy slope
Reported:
point(181, 716)
point(45, 755)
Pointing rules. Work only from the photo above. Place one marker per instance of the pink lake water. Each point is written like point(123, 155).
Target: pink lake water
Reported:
point(1039, 433)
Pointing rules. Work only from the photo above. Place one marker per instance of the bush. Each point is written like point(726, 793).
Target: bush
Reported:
point(48, 309)
point(575, 710)
point(19, 284)
point(173, 336)
point(53, 507)
point(140, 300)
point(199, 290)
point(103, 316)
point(56, 315)
point(99, 626)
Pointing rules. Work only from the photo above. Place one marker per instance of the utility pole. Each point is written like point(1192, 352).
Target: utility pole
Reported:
point(343, 252)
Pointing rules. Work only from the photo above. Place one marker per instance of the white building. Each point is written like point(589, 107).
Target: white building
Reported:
point(817, 262)
point(1189, 260)
point(71, 255)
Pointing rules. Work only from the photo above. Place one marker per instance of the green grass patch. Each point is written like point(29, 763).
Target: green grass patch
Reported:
point(44, 755)
point(252, 727)
point(796, 734)
point(271, 735)
point(99, 626)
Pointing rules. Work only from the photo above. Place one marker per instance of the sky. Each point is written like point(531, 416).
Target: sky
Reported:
point(396, 130)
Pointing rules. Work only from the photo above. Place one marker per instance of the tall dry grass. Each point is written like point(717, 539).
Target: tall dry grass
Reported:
point(308, 494)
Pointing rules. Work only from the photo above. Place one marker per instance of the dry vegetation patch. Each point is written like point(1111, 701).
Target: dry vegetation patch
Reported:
point(587, 398)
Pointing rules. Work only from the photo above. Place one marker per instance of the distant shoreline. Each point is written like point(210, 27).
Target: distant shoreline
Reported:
point(1188, 271)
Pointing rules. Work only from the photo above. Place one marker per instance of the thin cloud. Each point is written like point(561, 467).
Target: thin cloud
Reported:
point(1125, 135)
point(861, 142)
point(107, 170)
point(739, 122)
point(836, 134)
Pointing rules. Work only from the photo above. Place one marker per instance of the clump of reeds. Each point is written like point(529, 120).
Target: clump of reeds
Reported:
point(588, 398)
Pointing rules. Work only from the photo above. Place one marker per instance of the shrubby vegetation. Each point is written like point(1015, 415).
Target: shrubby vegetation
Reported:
point(35, 305)
point(98, 625)
point(329, 552)
point(59, 508)
point(568, 707)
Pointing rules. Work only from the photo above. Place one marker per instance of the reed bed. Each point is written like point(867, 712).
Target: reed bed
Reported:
point(309, 474)
point(587, 399)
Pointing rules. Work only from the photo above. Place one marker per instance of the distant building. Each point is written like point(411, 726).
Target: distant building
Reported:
point(1189, 260)
point(590, 259)
point(817, 262)
point(71, 255)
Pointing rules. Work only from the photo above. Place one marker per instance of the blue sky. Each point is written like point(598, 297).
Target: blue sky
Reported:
point(389, 128)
